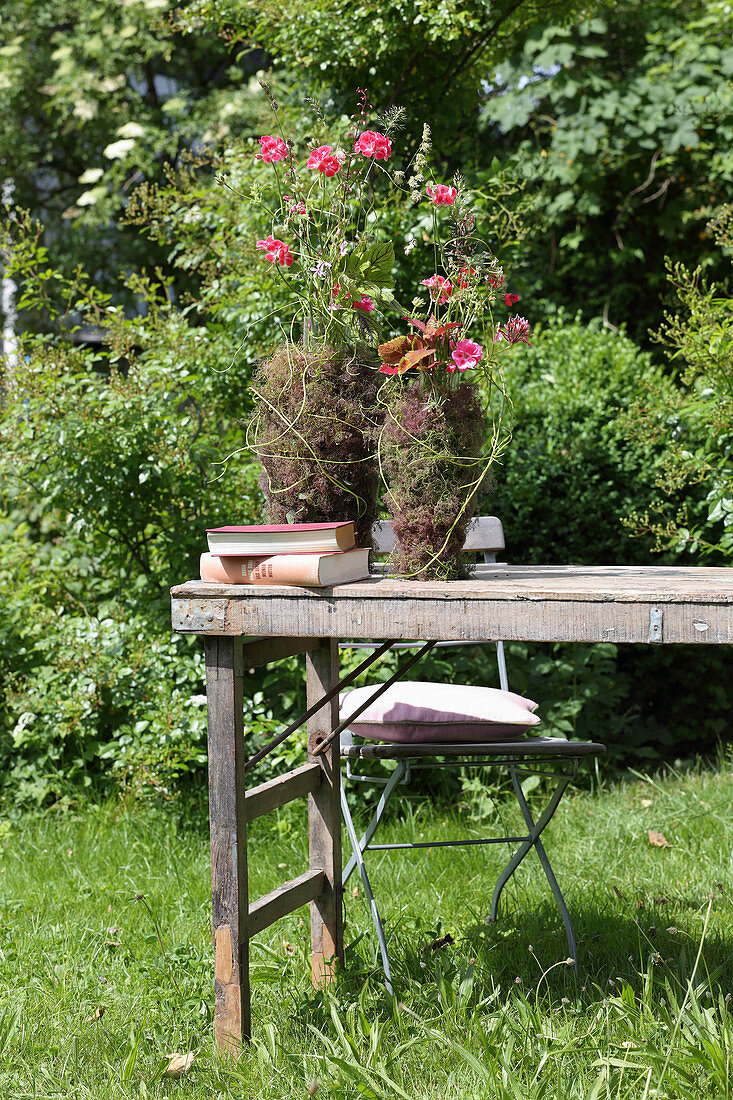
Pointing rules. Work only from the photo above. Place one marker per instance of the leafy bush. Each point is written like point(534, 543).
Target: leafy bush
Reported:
point(695, 418)
point(571, 475)
point(569, 481)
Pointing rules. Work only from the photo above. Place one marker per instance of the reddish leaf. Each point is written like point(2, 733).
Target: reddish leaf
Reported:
point(393, 350)
point(658, 840)
point(417, 358)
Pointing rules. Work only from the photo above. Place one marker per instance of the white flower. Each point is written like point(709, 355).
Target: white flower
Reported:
point(118, 149)
point(91, 175)
point(131, 130)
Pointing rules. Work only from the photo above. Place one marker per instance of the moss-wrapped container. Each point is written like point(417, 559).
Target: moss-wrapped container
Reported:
point(313, 433)
point(431, 450)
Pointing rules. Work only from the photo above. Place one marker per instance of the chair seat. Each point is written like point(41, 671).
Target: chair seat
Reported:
point(524, 746)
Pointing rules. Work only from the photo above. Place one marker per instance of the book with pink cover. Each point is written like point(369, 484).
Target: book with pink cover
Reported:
point(305, 570)
point(282, 538)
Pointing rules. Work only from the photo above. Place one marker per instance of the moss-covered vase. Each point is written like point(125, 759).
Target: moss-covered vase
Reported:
point(431, 447)
point(313, 433)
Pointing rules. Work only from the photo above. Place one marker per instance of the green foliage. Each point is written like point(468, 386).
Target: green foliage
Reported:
point(96, 95)
point(695, 419)
point(622, 128)
point(571, 475)
point(107, 460)
point(340, 45)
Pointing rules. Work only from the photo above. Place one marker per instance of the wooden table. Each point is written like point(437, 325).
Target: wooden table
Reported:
point(248, 626)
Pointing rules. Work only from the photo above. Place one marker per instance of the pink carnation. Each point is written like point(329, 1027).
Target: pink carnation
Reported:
point(442, 195)
point(465, 354)
point(276, 250)
point(372, 144)
point(273, 148)
point(440, 288)
point(515, 330)
point(323, 159)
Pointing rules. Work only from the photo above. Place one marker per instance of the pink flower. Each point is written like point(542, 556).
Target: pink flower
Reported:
point(372, 144)
point(323, 159)
point(294, 207)
point(465, 354)
point(516, 330)
point(442, 195)
point(440, 288)
point(510, 299)
point(273, 148)
point(276, 250)
point(366, 304)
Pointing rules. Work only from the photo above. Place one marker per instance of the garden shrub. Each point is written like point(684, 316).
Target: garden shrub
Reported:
point(567, 484)
point(571, 475)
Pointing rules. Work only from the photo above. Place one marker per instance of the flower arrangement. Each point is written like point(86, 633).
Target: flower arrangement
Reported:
point(393, 402)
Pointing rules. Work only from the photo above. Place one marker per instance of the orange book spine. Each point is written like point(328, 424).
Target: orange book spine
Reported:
point(301, 569)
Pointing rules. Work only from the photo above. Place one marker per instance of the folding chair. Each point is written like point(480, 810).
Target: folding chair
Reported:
point(552, 757)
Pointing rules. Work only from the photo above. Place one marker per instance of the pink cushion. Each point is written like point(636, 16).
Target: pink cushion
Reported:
point(416, 711)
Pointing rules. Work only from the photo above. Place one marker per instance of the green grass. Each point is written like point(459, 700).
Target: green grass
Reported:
point(496, 1014)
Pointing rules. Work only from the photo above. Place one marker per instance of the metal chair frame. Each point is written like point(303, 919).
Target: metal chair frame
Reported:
point(519, 757)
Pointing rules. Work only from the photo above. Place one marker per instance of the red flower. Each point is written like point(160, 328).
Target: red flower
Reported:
point(364, 303)
point(323, 159)
point(276, 251)
point(464, 276)
point(496, 280)
point(516, 330)
point(510, 299)
point(373, 144)
point(442, 195)
point(273, 148)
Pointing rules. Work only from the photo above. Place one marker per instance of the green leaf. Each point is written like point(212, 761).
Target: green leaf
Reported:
point(371, 265)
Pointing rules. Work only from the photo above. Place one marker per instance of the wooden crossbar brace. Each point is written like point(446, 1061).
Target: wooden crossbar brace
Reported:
point(288, 897)
point(281, 790)
point(263, 651)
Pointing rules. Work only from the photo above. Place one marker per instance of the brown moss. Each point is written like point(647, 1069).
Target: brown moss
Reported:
point(430, 455)
point(316, 415)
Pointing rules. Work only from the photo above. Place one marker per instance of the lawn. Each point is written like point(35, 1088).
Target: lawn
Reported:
point(106, 961)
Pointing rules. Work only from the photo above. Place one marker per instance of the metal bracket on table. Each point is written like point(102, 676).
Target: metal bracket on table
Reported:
point(197, 616)
point(655, 624)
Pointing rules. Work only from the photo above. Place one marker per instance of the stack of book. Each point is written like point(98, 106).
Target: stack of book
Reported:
point(311, 555)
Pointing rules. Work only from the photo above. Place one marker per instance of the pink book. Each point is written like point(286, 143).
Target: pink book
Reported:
point(282, 538)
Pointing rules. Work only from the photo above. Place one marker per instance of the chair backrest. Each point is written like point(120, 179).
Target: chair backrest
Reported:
point(485, 535)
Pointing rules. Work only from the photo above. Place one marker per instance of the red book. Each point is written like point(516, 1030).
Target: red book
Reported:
point(306, 570)
point(283, 538)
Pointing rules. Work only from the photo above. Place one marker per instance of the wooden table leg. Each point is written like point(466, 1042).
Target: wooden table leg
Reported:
point(232, 1025)
point(324, 816)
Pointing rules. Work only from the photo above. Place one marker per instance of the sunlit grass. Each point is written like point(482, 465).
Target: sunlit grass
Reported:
point(498, 1013)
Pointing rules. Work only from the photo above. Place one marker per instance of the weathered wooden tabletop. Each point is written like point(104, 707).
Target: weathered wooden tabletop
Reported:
point(530, 603)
